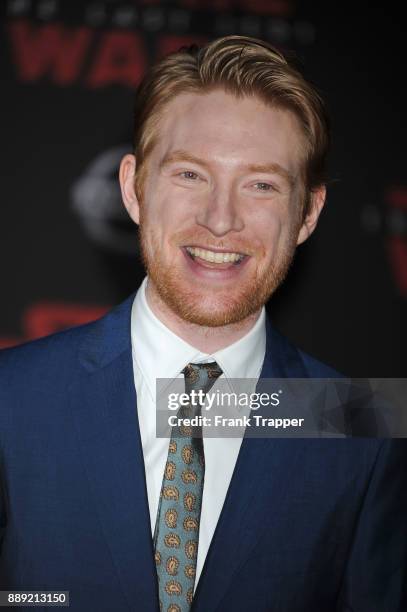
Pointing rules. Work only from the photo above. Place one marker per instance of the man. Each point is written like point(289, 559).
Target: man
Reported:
point(227, 179)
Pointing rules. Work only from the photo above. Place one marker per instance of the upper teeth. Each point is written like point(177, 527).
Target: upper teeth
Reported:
point(213, 256)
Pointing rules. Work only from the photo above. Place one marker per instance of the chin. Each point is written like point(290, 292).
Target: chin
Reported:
point(217, 310)
point(215, 317)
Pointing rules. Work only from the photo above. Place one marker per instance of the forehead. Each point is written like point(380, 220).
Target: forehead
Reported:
point(231, 130)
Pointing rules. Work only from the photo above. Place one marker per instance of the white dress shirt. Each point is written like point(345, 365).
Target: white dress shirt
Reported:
point(159, 353)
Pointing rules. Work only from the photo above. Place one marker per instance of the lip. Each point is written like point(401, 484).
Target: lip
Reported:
point(206, 271)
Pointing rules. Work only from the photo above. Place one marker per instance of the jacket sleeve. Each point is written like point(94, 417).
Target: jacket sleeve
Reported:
point(376, 575)
point(2, 502)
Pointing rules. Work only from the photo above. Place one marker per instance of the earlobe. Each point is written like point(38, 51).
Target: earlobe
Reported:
point(127, 177)
point(318, 196)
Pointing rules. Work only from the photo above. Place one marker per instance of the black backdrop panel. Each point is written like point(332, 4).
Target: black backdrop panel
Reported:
point(68, 250)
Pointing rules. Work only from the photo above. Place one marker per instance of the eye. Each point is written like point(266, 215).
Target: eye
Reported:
point(189, 175)
point(264, 187)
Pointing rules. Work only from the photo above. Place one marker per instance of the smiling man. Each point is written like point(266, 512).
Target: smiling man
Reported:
point(230, 198)
point(226, 180)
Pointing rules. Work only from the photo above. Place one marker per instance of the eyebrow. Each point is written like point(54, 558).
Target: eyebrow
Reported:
point(271, 168)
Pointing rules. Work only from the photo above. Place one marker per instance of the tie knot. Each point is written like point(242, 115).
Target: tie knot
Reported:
point(201, 376)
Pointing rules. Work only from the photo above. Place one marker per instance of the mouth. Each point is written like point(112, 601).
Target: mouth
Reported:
point(214, 258)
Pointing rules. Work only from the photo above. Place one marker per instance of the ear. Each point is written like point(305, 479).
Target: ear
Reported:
point(318, 196)
point(127, 178)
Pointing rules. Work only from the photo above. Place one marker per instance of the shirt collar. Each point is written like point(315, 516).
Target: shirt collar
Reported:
point(159, 353)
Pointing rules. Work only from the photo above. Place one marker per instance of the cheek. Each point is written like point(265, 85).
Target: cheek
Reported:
point(267, 227)
point(163, 222)
point(169, 207)
point(275, 231)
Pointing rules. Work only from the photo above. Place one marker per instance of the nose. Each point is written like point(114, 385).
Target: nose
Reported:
point(220, 213)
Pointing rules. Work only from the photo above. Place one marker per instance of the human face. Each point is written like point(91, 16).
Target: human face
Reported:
point(220, 215)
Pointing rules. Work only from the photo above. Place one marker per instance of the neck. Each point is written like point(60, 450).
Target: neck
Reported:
point(205, 339)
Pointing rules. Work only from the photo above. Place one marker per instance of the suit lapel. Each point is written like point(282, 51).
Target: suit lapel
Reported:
point(104, 409)
point(282, 359)
point(257, 475)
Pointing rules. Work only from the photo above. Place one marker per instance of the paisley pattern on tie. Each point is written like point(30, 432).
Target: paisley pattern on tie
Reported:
point(176, 533)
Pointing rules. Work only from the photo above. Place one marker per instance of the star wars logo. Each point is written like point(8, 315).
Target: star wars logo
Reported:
point(98, 44)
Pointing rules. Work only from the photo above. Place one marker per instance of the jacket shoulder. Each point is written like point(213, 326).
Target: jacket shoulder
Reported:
point(48, 356)
point(52, 361)
point(316, 368)
point(289, 360)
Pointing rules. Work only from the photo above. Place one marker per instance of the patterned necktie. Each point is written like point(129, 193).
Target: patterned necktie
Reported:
point(177, 525)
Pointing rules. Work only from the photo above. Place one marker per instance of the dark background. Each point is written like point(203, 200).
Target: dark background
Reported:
point(68, 251)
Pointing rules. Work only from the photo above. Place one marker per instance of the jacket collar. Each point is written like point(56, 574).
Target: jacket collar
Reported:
point(282, 359)
point(110, 336)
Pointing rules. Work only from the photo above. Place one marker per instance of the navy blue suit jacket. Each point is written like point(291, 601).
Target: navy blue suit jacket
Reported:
point(307, 525)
